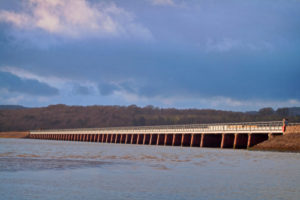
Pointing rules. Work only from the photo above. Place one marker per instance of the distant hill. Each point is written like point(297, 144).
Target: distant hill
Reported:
point(11, 107)
point(294, 111)
point(63, 116)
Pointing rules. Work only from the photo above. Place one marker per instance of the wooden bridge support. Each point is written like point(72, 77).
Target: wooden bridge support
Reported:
point(227, 140)
point(161, 139)
point(240, 141)
point(211, 140)
point(134, 138)
point(153, 140)
point(141, 139)
point(256, 138)
point(186, 140)
point(147, 138)
point(177, 140)
point(128, 138)
point(169, 139)
point(196, 140)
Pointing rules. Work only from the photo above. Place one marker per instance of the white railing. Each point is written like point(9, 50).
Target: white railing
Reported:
point(263, 127)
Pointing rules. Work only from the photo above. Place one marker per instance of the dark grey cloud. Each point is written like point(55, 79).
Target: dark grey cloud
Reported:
point(13, 83)
point(243, 50)
point(82, 90)
point(107, 88)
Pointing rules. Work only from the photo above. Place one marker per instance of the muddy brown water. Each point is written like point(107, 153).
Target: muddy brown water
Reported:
point(41, 169)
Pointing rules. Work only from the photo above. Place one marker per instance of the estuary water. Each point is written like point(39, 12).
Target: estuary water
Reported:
point(41, 169)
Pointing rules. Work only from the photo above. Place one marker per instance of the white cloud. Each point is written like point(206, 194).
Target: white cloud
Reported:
point(216, 102)
point(64, 84)
point(76, 19)
point(228, 44)
point(7, 98)
point(163, 2)
point(24, 74)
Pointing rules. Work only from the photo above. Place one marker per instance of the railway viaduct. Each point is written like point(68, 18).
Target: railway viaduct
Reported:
point(226, 135)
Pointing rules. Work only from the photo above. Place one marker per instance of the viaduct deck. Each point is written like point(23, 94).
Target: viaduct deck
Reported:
point(226, 135)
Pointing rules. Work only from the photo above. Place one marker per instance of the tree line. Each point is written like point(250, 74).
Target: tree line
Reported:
point(63, 116)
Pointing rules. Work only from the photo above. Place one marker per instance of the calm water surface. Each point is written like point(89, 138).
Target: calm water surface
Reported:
point(41, 169)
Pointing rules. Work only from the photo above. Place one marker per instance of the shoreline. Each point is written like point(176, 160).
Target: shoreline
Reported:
point(15, 134)
point(283, 143)
point(288, 142)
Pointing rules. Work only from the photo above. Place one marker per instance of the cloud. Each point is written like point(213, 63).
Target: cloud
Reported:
point(109, 88)
point(24, 74)
point(76, 19)
point(216, 102)
point(163, 2)
point(228, 44)
point(12, 83)
point(67, 85)
point(82, 90)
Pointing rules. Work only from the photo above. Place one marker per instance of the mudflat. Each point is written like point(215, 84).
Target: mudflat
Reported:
point(288, 142)
point(14, 134)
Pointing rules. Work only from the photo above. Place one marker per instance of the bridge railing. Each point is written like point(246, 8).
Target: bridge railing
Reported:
point(242, 126)
point(294, 124)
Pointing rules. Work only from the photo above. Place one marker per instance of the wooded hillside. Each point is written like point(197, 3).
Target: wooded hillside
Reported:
point(62, 116)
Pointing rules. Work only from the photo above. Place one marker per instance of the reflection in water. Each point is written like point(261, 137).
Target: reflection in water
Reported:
point(40, 169)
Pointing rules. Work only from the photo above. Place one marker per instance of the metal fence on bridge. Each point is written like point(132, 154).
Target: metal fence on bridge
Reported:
point(271, 126)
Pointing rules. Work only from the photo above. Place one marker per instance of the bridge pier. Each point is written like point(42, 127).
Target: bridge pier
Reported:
point(141, 138)
point(122, 139)
point(134, 138)
point(108, 137)
point(196, 140)
point(161, 139)
point(104, 136)
point(153, 140)
point(177, 140)
point(169, 139)
point(256, 138)
point(211, 140)
point(115, 139)
point(227, 141)
point(118, 138)
point(240, 141)
point(186, 140)
point(100, 137)
point(128, 138)
point(146, 138)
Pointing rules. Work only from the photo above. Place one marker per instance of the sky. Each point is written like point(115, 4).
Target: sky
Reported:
point(229, 55)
